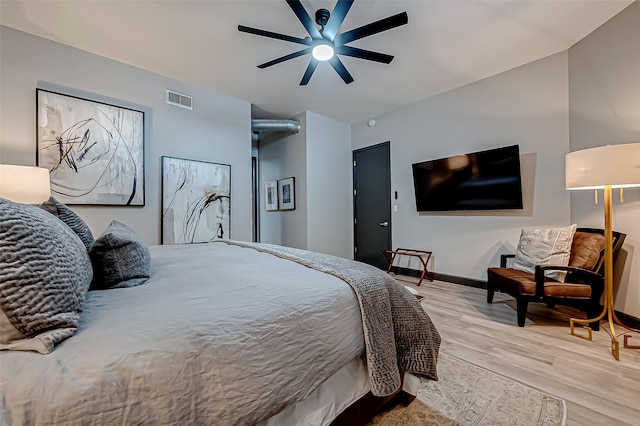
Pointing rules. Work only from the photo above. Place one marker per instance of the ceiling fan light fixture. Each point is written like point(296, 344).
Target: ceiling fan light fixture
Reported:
point(323, 52)
point(327, 42)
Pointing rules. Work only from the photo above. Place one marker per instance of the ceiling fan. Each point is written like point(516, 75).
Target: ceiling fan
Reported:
point(325, 44)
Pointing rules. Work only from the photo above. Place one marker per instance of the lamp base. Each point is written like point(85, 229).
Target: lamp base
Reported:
point(627, 345)
point(609, 310)
point(615, 345)
point(626, 342)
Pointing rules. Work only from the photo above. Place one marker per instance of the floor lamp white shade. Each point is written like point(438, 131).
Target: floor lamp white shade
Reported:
point(24, 184)
point(617, 166)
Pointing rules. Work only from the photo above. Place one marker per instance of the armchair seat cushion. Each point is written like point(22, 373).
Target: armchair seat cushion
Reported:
point(516, 282)
point(512, 281)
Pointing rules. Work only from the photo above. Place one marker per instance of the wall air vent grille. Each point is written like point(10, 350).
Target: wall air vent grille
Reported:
point(179, 99)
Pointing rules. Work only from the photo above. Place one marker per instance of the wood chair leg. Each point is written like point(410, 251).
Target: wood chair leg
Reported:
point(491, 289)
point(522, 305)
point(593, 311)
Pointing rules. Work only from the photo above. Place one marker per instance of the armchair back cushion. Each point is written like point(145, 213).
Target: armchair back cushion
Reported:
point(586, 250)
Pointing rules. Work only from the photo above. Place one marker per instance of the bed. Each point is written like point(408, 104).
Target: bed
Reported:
point(224, 333)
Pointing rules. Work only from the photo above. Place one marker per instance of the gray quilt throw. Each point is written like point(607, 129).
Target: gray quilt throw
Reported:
point(398, 333)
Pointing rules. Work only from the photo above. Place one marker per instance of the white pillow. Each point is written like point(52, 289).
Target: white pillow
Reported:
point(545, 246)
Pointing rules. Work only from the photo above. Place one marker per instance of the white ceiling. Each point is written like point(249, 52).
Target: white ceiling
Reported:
point(445, 45)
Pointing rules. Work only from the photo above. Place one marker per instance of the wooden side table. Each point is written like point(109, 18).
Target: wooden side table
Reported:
point(423, 255)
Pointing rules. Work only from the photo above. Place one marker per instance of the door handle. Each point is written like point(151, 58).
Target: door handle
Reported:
point(384, 224)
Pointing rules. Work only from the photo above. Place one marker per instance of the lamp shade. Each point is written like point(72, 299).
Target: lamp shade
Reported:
point(24, 184)
point(614, 165)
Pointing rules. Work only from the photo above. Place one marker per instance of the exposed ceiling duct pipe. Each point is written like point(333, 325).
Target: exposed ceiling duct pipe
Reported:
point(264, 125)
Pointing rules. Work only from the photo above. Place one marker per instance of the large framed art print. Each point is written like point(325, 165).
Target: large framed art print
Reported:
point(94, 151)
point(196, 201)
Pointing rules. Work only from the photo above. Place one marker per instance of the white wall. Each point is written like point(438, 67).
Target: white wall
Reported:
point(217, 130)
point(319, 157)
point(329, 178)
point(604, 94)
point(527, 106)
point(279, 158)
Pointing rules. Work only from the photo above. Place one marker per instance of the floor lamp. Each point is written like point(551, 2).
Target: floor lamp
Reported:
point(605, 167)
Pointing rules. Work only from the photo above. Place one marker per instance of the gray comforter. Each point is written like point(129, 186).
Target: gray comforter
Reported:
point(398, 333)
point(218, 335)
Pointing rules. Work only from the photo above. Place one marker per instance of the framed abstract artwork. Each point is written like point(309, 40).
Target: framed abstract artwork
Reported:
point(94, 151)
point(196, 201)
point(271, 195)
point(287, 194)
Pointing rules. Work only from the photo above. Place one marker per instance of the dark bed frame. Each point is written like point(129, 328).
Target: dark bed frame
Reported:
point(361, 412)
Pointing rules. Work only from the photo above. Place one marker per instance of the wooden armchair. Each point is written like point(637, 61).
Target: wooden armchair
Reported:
point(584, 282)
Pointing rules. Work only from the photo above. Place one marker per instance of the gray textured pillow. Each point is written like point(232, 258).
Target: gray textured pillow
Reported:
point(72, 220)
point(45, 272)
point(120, 258)
point(545, 246)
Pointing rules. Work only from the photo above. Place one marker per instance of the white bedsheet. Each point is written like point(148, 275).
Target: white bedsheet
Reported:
point(219, 335)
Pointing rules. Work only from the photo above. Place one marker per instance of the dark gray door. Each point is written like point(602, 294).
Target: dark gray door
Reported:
point(372, 204)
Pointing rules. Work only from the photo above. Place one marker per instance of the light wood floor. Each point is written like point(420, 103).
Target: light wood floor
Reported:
point(598, 389)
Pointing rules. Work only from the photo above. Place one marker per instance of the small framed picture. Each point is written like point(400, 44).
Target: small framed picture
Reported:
point(287, 193)
point(271, 195)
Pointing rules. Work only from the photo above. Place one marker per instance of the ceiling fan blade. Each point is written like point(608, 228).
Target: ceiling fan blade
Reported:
point(337, 65)
point(285, 58)
point(372, 28)
point(364, 54)
point(278, 36)
point(313, 64)
point(304, 17)
point(336, 19)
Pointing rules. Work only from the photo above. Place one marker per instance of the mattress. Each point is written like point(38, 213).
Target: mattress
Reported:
point(334, 396)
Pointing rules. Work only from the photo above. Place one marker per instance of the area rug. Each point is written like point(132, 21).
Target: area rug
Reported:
point(469, 395)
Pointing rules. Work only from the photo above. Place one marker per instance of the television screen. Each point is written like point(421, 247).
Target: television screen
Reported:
point(484, 180)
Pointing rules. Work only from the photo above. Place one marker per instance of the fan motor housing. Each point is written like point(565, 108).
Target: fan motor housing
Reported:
point(322, 17)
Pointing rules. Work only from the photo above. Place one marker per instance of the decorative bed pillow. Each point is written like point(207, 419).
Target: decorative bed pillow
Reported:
point(545, 246)
point(120, 258)
point(45, 272)
point(72, 220)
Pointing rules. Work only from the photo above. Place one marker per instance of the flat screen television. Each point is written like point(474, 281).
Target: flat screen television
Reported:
point(484, 180)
